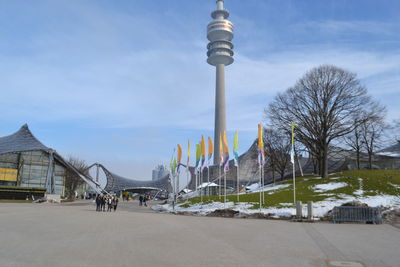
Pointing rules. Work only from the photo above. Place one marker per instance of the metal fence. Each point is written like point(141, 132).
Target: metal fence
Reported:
point(356, 214)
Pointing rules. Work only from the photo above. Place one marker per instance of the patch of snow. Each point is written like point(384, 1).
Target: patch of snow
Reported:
point(328, 187)
point(320, 208)
point(186, 190)
point(252, 187)
point(210, 184)
point(394, 185)
point(286, 204)
point(359, 192)
point(270, 188)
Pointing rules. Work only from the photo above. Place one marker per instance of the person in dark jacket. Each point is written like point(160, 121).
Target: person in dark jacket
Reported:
point(140, 200)
point(115, 203)
point(103, 203)
point(144, 201)
point(98, 203)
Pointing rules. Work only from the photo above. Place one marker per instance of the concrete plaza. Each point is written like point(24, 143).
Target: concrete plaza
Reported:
point(76, 235)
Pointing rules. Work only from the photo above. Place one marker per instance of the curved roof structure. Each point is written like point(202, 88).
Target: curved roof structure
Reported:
point(22, 140)
point(117, 183)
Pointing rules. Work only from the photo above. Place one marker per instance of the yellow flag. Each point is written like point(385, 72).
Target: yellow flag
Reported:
point(179, 153)
point(260, 137)
point(203, 147)
point(225, 141)
point(198, 154)
point(188, 151)
point(236, 141)
point(210, 147)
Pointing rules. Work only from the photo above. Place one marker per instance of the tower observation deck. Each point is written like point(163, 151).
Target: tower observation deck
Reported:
point(220, 54)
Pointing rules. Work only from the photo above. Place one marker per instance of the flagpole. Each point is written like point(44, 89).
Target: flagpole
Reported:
point(196, 182)
point(292, 154)
point(173, 191)
point(294, 184)
point(208, 181)
point(219, 182)
point(224, 188)
point(237, 175)
point(263, 183)
point(201, 185)
point(177, 184)
point(187, 177)
point(260, 186)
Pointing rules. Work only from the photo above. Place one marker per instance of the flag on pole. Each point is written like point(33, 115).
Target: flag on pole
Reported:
point(235, 148)
point(198, 155)
point(203, 153)
point(188, 156)
point(221, 151)
point(210, 150)
point(226, 153)
point(261, 156)
point(173, 166)
point(292, 146)
point(179, 157)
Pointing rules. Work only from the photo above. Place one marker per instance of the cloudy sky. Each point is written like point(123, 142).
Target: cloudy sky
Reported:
point(122, 82)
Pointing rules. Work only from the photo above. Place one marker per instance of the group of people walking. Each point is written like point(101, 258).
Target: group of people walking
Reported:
point(143, 200)
point(103, 200)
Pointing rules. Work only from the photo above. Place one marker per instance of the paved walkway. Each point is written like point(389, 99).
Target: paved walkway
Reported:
point(76, 235)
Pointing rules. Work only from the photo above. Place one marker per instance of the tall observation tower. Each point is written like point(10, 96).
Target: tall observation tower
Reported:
point(220, 54)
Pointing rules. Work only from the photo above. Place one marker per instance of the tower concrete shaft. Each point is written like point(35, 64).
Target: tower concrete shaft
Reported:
point(220, 110)
point(220, 54)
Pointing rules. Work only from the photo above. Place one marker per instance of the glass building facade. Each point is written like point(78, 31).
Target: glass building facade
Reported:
point(33, 170)
point(27, 163)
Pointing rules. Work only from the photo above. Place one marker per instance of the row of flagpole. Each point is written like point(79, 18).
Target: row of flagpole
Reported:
point(202, 162)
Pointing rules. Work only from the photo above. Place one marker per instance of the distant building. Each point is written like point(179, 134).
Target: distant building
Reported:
point(159, 172)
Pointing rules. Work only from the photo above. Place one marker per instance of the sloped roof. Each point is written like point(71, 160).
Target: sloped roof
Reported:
point(22, 140)
point(393, 150)
point(116, 182)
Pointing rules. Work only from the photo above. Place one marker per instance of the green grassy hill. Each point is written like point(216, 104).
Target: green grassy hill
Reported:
point(375, 187)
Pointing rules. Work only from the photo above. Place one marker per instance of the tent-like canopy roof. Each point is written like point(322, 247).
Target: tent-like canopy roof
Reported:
point(117, 183)
point(22, 140)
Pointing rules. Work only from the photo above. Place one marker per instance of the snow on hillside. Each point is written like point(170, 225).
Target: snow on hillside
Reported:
point(328, 187)
point(256, 187)
point(320, 208)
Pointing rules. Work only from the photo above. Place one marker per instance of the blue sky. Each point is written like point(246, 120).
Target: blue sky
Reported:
point(123, 82)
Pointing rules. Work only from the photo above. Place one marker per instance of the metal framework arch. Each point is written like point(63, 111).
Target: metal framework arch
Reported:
point(116, 183)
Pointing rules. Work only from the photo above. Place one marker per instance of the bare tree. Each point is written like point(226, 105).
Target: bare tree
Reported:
point(321, 103)
point(72, 180)
point(372, 129)
point(277, 146)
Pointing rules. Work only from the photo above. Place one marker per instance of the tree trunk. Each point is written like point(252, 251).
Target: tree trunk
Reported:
point(324, 162)
point(370, 160)
point(358, 158)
